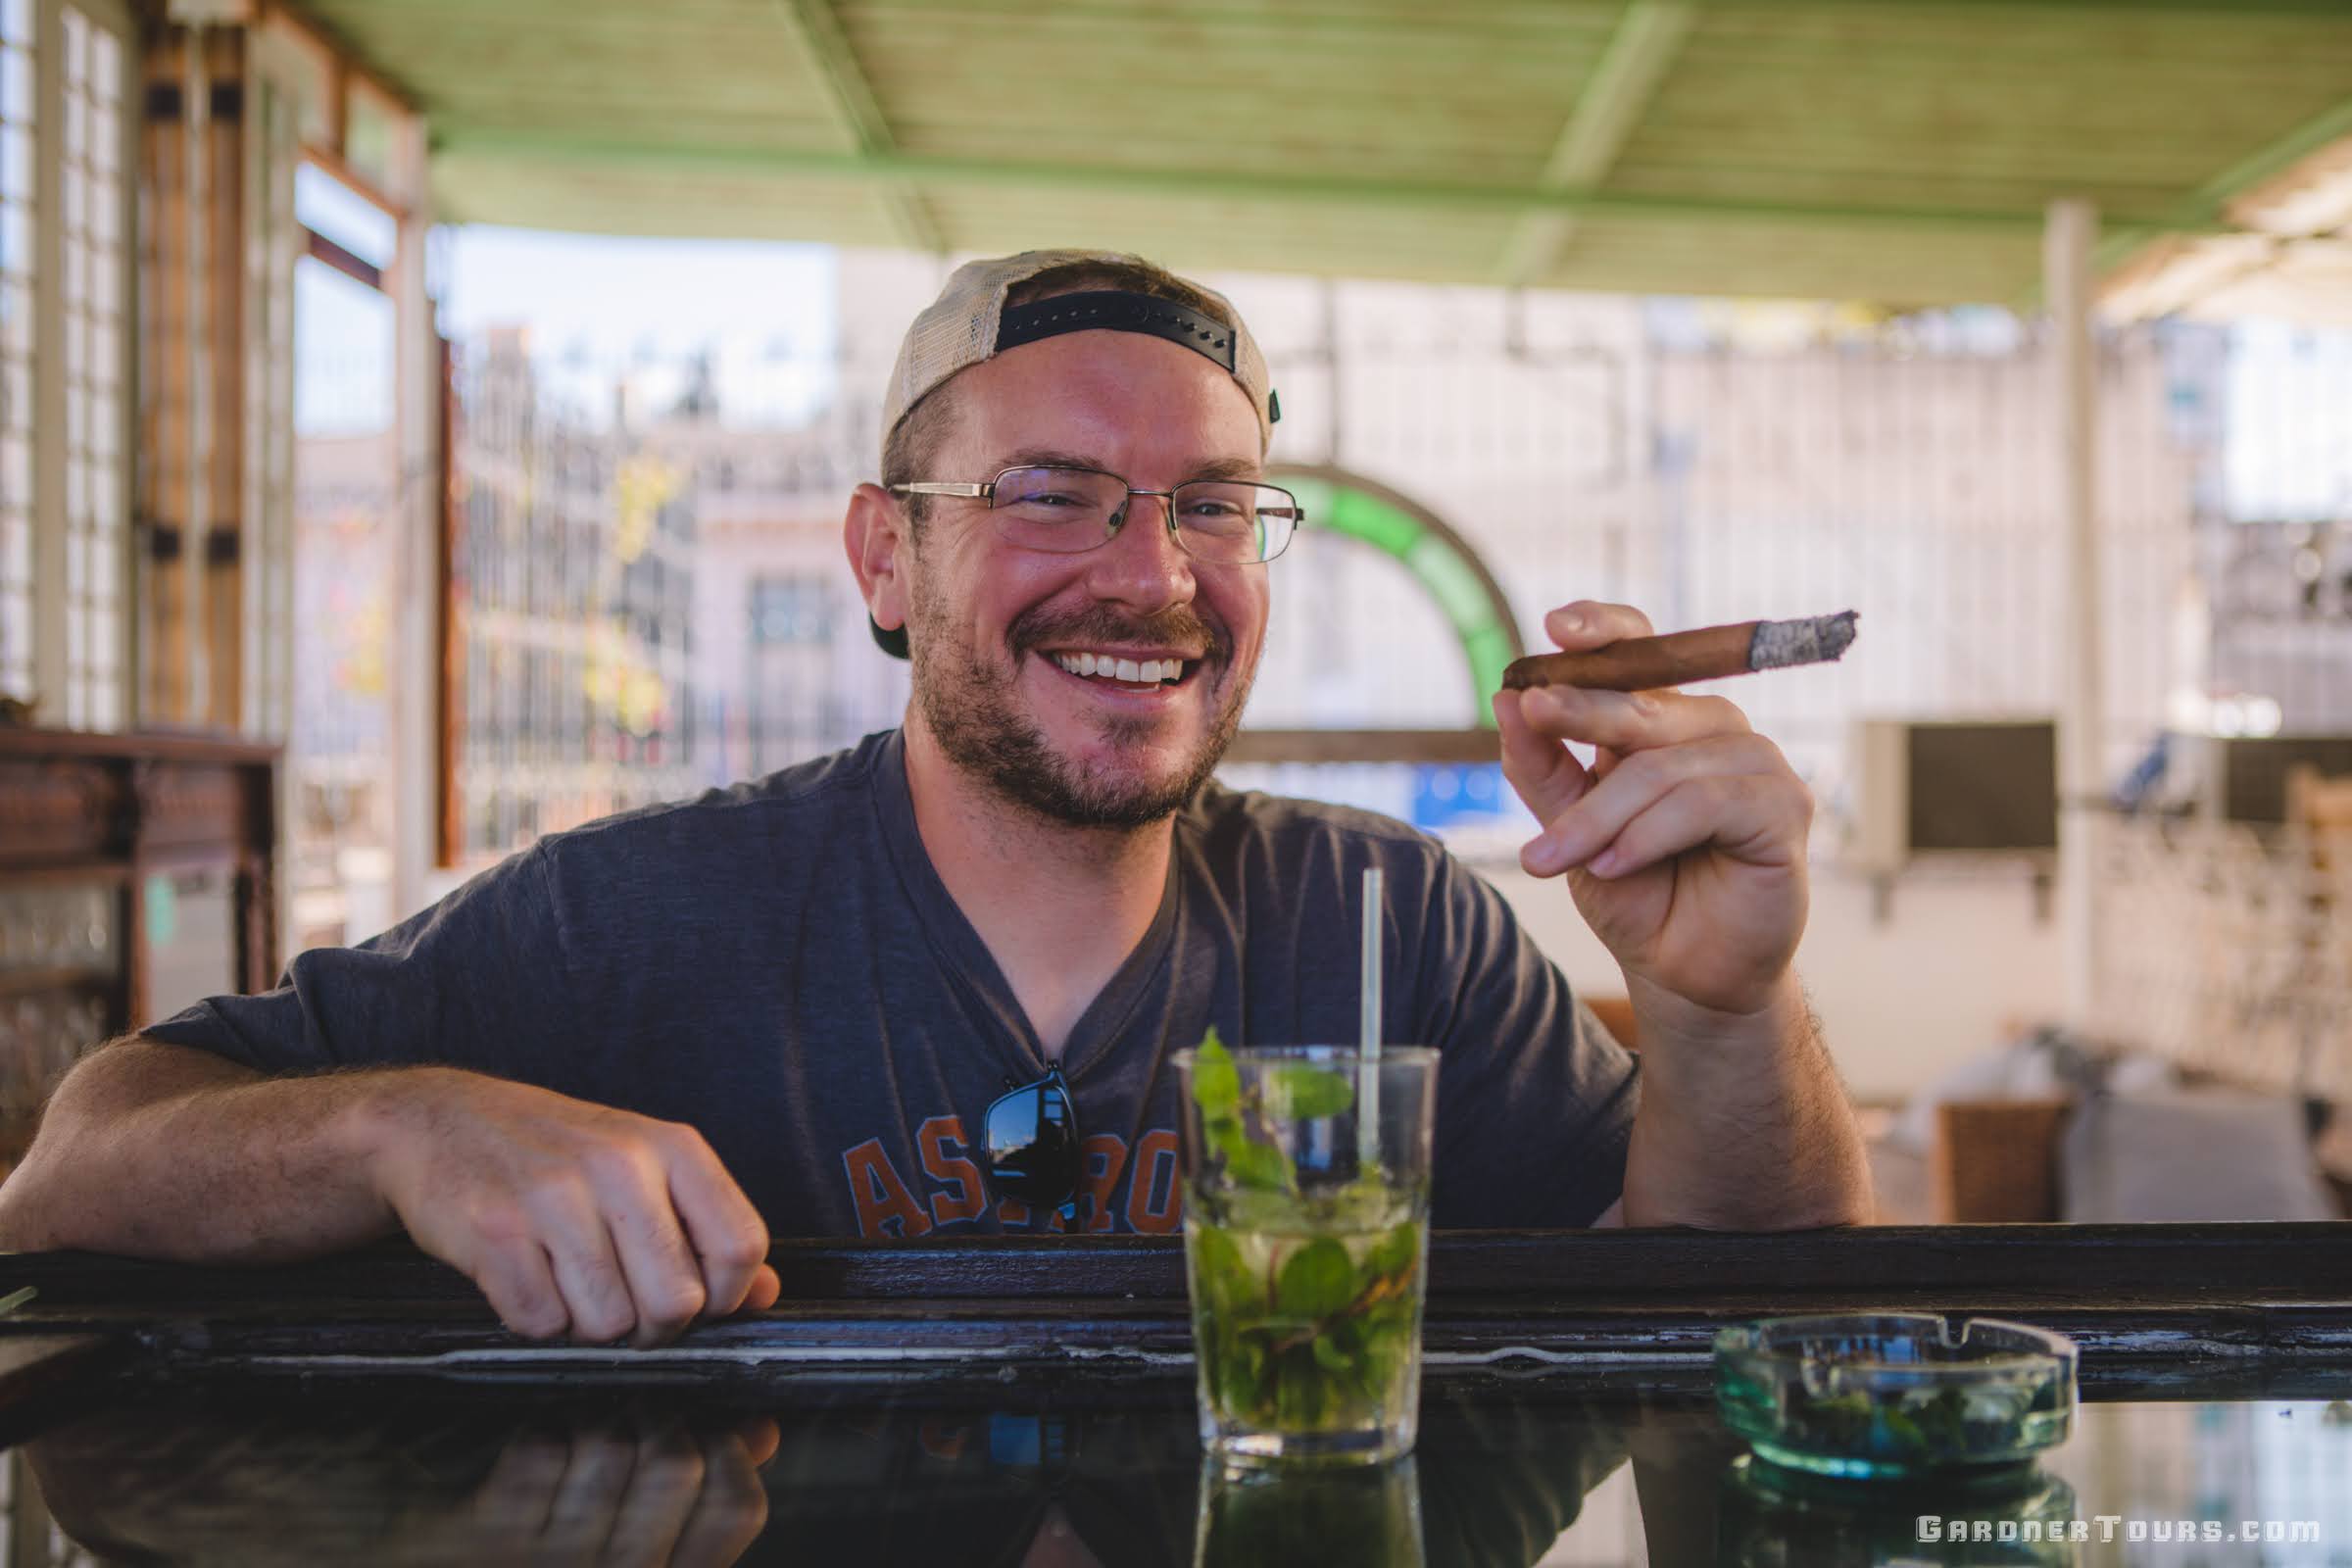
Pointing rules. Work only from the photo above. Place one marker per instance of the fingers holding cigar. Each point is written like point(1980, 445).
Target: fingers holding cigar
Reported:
point(1540, 769)
point(1626, 721)
point(1740, 778)
point(1659, 755)
point(1589, 623)
point(1537, 722)
point(1537, 717)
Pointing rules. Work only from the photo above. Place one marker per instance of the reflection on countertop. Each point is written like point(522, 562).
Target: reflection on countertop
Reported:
point(1063, 1472)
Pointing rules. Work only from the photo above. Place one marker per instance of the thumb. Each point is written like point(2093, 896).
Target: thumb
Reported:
point(1543, 771)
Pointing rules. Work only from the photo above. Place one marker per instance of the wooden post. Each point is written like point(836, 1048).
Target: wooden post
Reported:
point(196, 540)
point(2068, 242)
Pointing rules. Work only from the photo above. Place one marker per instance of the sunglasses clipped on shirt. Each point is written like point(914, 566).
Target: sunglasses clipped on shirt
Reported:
point(1030, 1143)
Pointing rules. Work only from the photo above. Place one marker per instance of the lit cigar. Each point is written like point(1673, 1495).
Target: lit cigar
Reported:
point(1645, 663)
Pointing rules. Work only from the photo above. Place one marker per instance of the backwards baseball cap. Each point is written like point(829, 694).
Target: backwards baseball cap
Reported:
point(970, 323)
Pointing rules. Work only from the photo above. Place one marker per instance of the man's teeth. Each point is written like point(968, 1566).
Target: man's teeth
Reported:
point(1151, 671)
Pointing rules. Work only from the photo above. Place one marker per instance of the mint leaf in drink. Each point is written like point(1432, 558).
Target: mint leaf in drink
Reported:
point(1299, 1093)
point(1327, 1341)
point(1301, 1394)
point(1317, 1281)
point(1259, 1165)
point(1396, 1254)
point(1241, 1375)
point(1216, 1082)
point(1222, 1270)
point(1385, 1351)
point(1218, 1091)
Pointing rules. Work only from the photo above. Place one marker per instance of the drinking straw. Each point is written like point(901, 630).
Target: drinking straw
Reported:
point(1367, 1095)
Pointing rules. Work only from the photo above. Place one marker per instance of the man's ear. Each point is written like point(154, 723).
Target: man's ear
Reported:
point(874, 533)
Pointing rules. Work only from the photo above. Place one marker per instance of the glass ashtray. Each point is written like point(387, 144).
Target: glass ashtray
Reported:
point(1894, 1395)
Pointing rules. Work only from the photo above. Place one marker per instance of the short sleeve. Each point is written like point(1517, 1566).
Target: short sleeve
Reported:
point(1536, 1098)
point(479, 980)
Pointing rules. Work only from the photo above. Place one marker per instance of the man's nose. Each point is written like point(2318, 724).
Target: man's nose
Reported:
point(1141, 564)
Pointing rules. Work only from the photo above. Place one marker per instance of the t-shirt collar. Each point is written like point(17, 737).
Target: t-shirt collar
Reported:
point(966, 956)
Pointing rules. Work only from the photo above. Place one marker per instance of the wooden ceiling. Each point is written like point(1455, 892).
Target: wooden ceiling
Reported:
point(1891, 150)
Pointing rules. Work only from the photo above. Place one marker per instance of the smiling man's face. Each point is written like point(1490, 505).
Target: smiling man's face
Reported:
point(992, 629)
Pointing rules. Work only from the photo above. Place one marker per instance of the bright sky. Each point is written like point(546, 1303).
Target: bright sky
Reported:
point(598, 305)
point(2291, 424)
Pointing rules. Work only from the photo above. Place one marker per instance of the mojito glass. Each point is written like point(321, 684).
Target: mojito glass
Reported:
point(1306, 1244)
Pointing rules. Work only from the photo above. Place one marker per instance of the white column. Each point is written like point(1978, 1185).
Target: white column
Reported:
point(2070, 230)
point(416, 622)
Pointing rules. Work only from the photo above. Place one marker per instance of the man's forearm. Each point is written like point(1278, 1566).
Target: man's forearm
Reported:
point(1743, 1124)
point(160, 1150)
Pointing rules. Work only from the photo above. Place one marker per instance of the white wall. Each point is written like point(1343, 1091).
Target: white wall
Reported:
point(1960, 961)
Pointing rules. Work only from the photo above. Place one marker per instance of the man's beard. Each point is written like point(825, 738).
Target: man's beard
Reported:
point(969, 708)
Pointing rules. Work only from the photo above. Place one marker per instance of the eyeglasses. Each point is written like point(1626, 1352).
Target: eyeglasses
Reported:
point(1226, 522)
point(1032, 1145)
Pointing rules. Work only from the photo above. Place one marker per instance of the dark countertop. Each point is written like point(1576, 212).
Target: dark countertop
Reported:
point(1030, 1402)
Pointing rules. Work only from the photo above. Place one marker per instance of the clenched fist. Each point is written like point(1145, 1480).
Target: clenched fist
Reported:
point(571, 1218)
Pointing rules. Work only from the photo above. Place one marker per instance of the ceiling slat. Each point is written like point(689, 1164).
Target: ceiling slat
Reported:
point(2118, 248)
point(1613, 101)
point(816, 31)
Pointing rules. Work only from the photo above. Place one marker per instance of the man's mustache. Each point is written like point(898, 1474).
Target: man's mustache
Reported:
point(1178, 626)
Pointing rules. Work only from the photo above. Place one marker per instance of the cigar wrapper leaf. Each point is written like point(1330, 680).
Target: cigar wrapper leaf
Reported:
point(1710, 652)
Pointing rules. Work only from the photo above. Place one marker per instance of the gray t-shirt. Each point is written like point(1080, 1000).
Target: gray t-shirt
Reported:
point(778, 965)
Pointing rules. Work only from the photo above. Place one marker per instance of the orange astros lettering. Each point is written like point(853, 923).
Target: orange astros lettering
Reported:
point(932, 1142)
point(1101, 1157)
point(884, 1205)
point(1154, 1162)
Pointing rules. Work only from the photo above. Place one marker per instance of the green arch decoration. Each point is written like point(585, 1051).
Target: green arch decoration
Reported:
point(1440, 560)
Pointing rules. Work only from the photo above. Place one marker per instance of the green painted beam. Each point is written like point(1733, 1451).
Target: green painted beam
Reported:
point(816, 30)
point(1615, 97)
point(2226, 10)
point(2203, 210)
point(1417, 196)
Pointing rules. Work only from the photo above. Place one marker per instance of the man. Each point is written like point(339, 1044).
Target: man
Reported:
point(598, 1076)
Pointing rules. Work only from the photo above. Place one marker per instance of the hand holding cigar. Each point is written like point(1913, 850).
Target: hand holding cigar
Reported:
point(1710, 652)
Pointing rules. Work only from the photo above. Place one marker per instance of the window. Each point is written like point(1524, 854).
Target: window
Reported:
point(93, 304)
point(571, 613)
point(18, 131)
point(65, 359)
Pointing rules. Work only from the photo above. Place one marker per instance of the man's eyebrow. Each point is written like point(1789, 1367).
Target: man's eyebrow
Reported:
point(1228, 469)
point(1048, 457)
point(1207, 468)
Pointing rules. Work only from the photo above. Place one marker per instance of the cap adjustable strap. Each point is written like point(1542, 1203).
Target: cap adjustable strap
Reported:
point(1116, 311)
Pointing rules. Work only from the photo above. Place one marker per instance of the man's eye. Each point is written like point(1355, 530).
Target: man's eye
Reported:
point(1049, 498)
point(1213, 510)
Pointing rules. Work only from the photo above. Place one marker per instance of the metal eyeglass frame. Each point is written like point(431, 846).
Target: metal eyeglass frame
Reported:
point(1118, 517)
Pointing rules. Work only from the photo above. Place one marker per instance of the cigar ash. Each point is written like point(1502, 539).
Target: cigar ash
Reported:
point(1778, 643)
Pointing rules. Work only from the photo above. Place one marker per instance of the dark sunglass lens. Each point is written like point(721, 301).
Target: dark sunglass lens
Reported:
point(1012, 1123)
point(1033, 1144)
